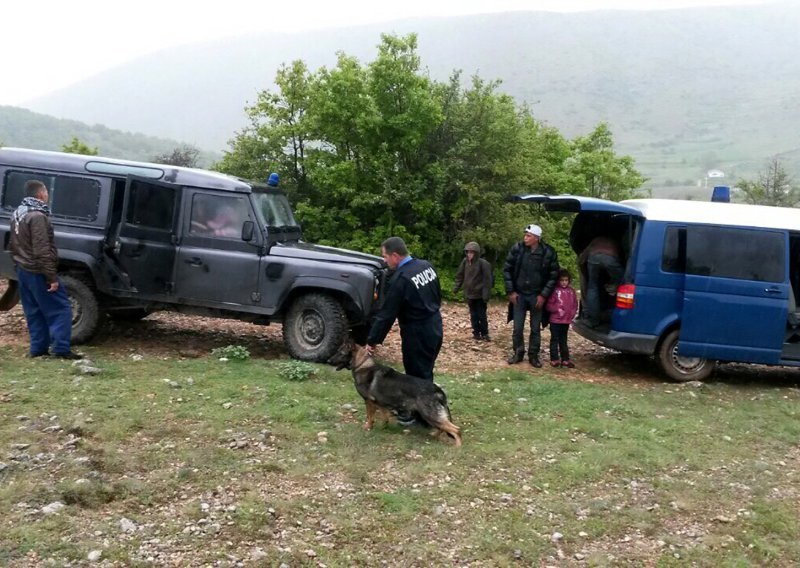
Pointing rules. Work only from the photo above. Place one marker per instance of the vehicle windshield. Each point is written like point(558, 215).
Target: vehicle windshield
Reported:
point(274, 209)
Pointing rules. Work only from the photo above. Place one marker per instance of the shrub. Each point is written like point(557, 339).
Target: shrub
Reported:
point(296, 370)
point(231, 353)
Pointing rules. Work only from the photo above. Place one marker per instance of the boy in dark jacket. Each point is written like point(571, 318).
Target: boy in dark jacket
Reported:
point(475, 274)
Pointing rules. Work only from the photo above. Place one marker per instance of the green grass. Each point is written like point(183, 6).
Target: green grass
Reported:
point(212, 459)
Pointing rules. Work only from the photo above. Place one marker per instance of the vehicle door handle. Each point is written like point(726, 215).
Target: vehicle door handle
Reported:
point(772, 290)
point(194, 261)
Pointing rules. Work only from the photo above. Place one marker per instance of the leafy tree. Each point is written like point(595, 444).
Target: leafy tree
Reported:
point(598, 171)
point(184, 155)
point(277, 136)
point(76, 146)
point(369, 151)
point(774, 186)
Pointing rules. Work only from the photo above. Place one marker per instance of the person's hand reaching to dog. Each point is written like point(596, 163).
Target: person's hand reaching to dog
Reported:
point(370, 350)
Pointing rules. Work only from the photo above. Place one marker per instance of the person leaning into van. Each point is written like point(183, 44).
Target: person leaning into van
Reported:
point(45, 304)
point(475, 274)
point(529, 275)
point(600, 264)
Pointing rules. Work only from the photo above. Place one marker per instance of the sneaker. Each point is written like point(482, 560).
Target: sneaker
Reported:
point(534, 361)
point(568, 364)
point(70, 356)
point(486, 338)
point(516, 357)
point(555, 363)
point(477, 337)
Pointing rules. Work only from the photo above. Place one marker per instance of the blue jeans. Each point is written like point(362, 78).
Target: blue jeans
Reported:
point(49, 314)
point(602, 269)
point(526, 303)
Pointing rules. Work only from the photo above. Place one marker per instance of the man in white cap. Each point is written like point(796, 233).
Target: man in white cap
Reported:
point(530, 274)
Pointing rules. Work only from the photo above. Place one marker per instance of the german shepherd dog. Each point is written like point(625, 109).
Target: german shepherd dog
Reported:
point(383, 388)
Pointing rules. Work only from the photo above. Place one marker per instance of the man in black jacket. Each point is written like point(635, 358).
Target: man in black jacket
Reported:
point(530, 274)
point(413, 298)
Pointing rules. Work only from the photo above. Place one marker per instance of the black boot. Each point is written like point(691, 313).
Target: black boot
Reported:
point(534, 361)
point(516, 357)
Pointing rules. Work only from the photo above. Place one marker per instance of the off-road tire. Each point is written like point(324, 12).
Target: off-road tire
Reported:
point(9, 294)
point(681, 369)
point(85, 309)
point(314, 327)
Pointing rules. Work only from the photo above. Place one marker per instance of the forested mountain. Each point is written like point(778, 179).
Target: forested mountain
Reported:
point(682, 90)
point(22, 128)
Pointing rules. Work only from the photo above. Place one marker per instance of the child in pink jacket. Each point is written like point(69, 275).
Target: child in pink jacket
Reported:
point(563, 306)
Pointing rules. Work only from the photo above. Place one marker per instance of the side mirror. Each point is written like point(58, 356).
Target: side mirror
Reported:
point(248, 231)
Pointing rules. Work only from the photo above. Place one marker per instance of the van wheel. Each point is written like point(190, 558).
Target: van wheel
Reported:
point(679, 368)
point(85, 309)
point(314, 327)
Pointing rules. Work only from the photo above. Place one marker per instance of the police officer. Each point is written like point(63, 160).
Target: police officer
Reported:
point(413, 298)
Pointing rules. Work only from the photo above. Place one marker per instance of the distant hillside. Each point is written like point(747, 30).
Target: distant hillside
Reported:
point(25, 129)
point(683, 90)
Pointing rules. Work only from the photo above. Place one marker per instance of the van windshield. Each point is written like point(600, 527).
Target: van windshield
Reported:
point(274, 210)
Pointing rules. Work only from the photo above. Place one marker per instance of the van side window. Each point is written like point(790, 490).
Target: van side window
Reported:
point(674, 256)
point(216, 216)
point(70, 197)
point(736, 253)
point(150, 205)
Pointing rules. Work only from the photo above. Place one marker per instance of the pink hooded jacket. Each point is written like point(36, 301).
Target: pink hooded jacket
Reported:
point(562, 305)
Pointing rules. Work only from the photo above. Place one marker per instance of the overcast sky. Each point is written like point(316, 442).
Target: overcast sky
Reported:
point(48, 44)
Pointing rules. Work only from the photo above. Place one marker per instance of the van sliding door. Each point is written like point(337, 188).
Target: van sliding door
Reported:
point(735, 295)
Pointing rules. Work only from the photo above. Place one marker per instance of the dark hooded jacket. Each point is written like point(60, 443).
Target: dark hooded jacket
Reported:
point(475, 276)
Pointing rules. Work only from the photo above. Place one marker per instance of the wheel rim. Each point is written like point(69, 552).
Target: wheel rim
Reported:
point(311, 327)
point(686, 365)
point(77, 312)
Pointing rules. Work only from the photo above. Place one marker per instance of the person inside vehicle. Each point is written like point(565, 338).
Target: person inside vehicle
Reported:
point(601, 272)
point(225, 223)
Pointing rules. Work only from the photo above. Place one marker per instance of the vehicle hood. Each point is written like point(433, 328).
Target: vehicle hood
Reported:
point(299, 249)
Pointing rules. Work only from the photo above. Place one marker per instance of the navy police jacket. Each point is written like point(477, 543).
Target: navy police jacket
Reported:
point(414, 296)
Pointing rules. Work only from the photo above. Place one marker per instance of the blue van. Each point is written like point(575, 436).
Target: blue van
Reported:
point(703, 282)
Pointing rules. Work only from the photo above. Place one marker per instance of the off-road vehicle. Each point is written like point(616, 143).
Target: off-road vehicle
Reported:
point(134, 238)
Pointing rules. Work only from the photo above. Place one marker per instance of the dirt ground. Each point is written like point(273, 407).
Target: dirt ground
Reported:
point(170, 334)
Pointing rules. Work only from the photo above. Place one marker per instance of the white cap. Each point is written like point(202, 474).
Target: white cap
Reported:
point(535, 230)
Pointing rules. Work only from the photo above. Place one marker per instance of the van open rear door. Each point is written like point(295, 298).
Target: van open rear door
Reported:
point(594, 216)
point(736, 294)
point(577, 204)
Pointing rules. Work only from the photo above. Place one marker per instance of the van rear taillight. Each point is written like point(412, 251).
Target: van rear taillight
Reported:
point(625, 295)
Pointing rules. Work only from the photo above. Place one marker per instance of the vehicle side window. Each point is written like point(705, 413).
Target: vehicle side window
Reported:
point(673, 258)
point(150, 206)
point(736, 253)
point(217, 216)
point(70, 197)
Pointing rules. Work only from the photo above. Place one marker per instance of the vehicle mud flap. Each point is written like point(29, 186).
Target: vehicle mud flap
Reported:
point(10, 297)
